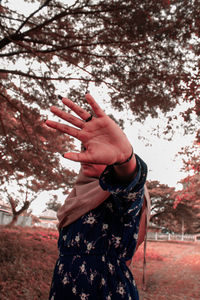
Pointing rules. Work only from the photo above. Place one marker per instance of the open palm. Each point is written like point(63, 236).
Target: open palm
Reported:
point(103, 139)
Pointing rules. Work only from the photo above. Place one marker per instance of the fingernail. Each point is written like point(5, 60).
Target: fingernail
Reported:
point(60, 97)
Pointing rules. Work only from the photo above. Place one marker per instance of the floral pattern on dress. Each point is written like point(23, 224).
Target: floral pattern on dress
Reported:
point(94, 249)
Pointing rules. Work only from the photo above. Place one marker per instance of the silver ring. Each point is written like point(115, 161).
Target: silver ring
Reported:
point(89, 119)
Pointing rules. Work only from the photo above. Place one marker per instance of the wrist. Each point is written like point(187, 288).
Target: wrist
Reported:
point(125, 161)
point(126, 171)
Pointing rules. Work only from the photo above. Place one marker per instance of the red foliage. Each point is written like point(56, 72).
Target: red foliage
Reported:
point(27, 258)
point(166, 3)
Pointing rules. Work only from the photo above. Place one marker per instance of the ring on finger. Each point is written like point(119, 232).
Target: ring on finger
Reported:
point(89, 118)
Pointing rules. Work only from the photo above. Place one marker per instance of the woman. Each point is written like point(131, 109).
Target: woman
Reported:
point(100, 219)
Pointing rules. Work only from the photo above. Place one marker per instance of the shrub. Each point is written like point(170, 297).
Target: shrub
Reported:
point(27, 258)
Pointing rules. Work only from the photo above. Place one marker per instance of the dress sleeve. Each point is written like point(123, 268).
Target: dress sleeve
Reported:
point(132, 191)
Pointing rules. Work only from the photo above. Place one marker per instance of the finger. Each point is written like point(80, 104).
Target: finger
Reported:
point(76, 108)
point(82, 157)
point(67, 117)
point(78, 157)
point(95, 107)
point(67, 129)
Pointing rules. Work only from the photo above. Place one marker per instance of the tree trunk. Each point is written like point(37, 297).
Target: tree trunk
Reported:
point(13, 221)
point(16, 214)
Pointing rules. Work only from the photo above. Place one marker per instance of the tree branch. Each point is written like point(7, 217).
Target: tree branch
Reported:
point(31, 15)
point(12, 204)
point(21, 119)
point(8, 54)
point(25, 206)
point(16, 72)
point(6, 135)
point(17, 37)
point(92, 75)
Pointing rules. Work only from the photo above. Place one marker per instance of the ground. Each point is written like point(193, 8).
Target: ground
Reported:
point(172, 271)
point(28, 255)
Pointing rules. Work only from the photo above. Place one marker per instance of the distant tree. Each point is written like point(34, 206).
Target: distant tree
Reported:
point(162, 199)
point(166, 212)
point(18, 206)
point(20, 193)
point(191, 158)
point(28, 156)
point(190, 193)
point(54, 204)
point(189, 197)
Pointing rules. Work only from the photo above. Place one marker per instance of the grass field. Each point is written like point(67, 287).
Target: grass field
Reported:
point(173, 271)
point(28, 255)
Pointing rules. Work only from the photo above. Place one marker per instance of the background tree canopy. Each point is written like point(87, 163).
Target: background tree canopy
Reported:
point(177, 211)
point(145, 52)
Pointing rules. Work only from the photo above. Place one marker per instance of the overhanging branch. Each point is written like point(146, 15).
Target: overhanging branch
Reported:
point(31, 15)
point(19, 36)
point(20, 73)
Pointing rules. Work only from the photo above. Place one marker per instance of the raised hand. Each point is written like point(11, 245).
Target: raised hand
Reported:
point(103, 139)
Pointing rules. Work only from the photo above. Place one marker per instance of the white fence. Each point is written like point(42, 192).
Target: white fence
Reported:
point(6, 218)
point(155, 236)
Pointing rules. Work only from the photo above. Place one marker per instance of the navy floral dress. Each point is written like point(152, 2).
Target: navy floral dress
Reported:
point(94, 249)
